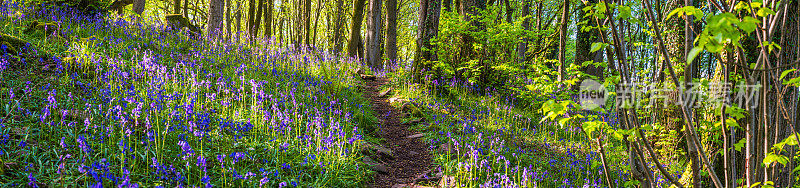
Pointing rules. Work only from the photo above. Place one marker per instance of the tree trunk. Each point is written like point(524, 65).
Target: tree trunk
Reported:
point(268, 19)
point(307, 21)
point(251, 17)
point(509, 11)
point(447, 5)
point(338, 27)
point(584, 43)
point(238, 16)
point(391, 30)
point(316, 22)
point(177, 7)
point(228, 20)
point(428, 29)
point(354, 46)
point(562, 40)
point(257, 21)
point(374, 34)
point(214, 19)
point(138, 6)
point(522, 46)
point(470, 9)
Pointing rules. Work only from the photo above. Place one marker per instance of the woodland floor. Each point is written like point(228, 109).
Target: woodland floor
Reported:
point(412, 157)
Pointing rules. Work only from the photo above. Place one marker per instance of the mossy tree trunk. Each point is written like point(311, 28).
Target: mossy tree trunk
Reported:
point(428, 29)
point(354, 46)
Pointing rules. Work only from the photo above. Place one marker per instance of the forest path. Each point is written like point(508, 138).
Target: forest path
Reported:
point(412, 158)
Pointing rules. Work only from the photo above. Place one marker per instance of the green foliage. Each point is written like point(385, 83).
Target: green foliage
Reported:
point(84, 6)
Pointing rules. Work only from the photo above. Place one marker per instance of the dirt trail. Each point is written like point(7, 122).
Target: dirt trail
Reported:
point(412, 157)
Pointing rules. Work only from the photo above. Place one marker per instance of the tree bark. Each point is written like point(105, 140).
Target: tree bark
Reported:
point(428, 29)
point(307, 21)
point(138, 6)
point(391, 30)
point(374, 34)
point(268, 19)
point(562, 40)
point(584, 43)
point(522, 47)
point(251, 17)
point(238, 16)
point(214, 19)
point(228, 20)
point(447, 5)
point(354, 46)
point(177, 7)
point(509, 11)
point(316, 22)
point(257, 21)
point(338, 27)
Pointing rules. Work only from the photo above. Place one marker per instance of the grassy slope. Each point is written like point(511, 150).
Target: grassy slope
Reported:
point(130, 103)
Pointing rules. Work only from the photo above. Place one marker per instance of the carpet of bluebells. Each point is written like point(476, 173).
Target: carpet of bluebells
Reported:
point(132, 105)
point(124, 102)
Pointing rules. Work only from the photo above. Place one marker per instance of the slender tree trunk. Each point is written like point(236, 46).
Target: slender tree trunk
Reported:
point(688, 75)
point(428, 29)
point(257, 21)
point(509, 11)
point(307, 22)
point(298, 24)
point(338, 27)
point(268, 19)
point(228, 20)
point(391, 30)
point(353, 47)
point(522, 47)
point(214, 19)
point(177, 8)
point(238, 16)
point(584, 43)
point(562, 39)
point(374, 34)
point(447, 5)
point(316, 21)
point(251, 17)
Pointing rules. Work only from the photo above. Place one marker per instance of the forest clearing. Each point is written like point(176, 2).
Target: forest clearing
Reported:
point(408, 93)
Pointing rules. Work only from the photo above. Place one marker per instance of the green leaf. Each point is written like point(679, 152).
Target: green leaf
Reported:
point(792, 81)
point(591, 126)
point(764, 12)
point(770, 158)
point(693, 54)
point(731, 123)
point(563, 121)
point(791, 140)
point(738, 146)
point(748, 24)
point(625, 12)
point(673, 12)
point(597, 46)
point(786, 72)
